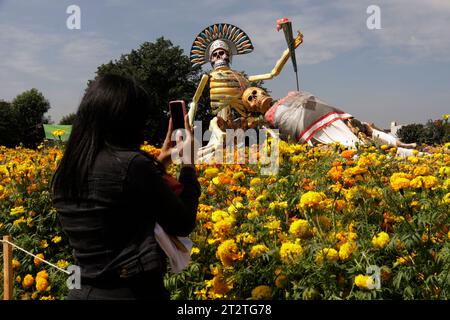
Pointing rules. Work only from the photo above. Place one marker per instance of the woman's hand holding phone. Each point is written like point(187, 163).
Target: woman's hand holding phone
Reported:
point(184, 150)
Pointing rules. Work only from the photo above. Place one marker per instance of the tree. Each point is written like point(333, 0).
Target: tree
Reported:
point(68, 119)
point(411, 133)
point(8, 125)
point(166, 73)
point(433, 132)
point(29, 108)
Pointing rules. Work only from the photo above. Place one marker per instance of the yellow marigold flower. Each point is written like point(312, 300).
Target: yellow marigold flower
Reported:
point(18, 279)
point(417, 182)
point(41, 284)
point(220, 285)
point(62, 264)
point(364, 282)
point(253, 214)
point(444, 171)
point(37, 261)
point(228, 253)
point(407, 259)
point(262, 293)
point(195, 250)
point(42, 274)
point(290, 253)
point(274, 225)
point(348, 154)
point(150, 149)
point(261, 198)
point(380, 240)
point(430, 182)
point(17, 210)
point(216, 181)
point(346, 250)
point(238, 175)
point(277, 204)
point(58, 133)
point(43, 244)
point(56, 239)
point(246, 238)
point(233, 208)
point(352, 236)
point(446, 184)
point(19, 221)
point(399, 183)
point(49, 297)
point(30, 222)
point(445, 116)
point(15, 264)
point(299, 228)
point(204, 212)
point(211, 173)
point(255, 182)
point(219, 215)
point(28, 281)
point(222, 227)
point(311, 199)
point(446, 198)
point(258, 250)
point(330, 254)
point(421, 170)
point(336, 172)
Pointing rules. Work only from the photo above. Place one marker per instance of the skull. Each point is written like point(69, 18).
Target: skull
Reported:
point(220, 58)
point(256, 100)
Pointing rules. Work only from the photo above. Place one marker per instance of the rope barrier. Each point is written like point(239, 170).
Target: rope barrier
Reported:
point(35, 256)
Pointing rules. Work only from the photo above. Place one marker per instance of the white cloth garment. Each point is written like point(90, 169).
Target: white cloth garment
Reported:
point(337, 132)
point(384, 138)
point(177, 249)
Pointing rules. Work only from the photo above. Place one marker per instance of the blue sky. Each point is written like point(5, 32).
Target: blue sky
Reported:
point(399, 73)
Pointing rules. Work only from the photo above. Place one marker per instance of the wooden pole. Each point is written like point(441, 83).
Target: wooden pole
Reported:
point(7, 270)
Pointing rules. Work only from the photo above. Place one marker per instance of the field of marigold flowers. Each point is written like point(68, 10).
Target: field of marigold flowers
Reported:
point(309, 232)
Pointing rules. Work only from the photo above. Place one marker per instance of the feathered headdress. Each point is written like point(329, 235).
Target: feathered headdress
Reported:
point(237, 40)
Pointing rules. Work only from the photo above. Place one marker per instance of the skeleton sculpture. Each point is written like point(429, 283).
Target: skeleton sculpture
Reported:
point(229, 89)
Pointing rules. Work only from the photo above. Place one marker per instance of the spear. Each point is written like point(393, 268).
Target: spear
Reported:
point(286, 25)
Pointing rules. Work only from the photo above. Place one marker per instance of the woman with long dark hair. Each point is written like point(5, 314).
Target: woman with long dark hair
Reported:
point(109, 194)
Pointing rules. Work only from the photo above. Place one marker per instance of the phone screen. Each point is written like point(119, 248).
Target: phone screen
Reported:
point(177, 113)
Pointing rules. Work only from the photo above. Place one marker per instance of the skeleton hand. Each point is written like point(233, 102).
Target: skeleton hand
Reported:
point(298, 40)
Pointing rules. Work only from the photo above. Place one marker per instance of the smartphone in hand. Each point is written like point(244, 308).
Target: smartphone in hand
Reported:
point(177, 112)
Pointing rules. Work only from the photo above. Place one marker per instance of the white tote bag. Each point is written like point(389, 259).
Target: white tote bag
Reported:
point(177, 249)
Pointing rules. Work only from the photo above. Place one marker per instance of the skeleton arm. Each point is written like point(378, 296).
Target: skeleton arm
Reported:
point(280, 63)
point(197, 95)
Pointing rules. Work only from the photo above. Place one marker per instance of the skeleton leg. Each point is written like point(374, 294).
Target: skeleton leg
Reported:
point(216, 141)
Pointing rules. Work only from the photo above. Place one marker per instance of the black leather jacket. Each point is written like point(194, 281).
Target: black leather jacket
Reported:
point(111, 229)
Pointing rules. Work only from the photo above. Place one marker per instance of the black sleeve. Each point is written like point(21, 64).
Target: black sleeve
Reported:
point(176, 214)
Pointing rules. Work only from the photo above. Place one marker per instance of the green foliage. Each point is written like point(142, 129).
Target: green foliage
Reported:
point(68, 119)
point(21, 120)
point(432, 133)
point(9, 134)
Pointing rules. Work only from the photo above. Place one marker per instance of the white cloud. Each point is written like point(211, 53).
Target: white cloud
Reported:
point(22, 51)
point(413, 30)
point(87, 49)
